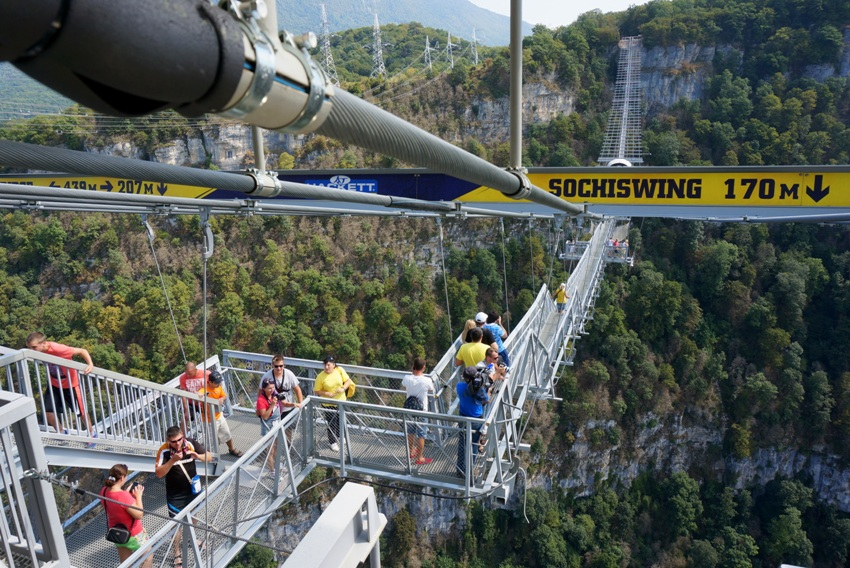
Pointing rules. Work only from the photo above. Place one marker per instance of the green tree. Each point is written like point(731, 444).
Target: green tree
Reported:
point(729, 98)
point(286, 161)
point(786, 541)
point(682, 503)
point(401, 539)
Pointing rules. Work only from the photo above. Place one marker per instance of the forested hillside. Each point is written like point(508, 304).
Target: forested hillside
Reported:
point(707, 418)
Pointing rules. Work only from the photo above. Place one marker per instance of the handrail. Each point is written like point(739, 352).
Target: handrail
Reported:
point(121, 412)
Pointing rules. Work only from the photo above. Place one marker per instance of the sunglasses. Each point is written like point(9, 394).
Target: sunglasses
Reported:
point(278, 366)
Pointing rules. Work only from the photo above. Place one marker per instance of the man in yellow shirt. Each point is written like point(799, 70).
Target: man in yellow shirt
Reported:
point(332, 383)
point(222, 430)
point(472, 353)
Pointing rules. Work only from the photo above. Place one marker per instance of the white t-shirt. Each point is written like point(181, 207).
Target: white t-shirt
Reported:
point(418, 386)
point(283, 386)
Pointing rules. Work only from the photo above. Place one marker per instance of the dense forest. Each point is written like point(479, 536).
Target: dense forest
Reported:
point(740, 327)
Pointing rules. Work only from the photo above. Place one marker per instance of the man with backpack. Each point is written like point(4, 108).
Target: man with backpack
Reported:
point(472, 395)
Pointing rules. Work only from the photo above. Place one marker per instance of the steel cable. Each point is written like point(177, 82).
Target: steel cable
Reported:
point(357, 122)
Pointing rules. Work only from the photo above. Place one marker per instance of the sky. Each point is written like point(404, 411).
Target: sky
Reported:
point(554, 13)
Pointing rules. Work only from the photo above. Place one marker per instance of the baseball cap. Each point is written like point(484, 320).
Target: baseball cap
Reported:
point(329, 359)
point(470, 372)
point(216, 378)
point(480, 317)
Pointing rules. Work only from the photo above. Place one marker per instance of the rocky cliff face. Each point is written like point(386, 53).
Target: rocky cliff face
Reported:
point(224, 144)
point(680, 72)
point(489, 119)
point(676, 72)
point(678, 442)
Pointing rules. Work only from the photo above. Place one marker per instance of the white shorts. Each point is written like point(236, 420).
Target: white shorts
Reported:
point(222, 431)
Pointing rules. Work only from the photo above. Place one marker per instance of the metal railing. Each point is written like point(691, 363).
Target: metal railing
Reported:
point(106, 411)
point(243, 371)
point(212, 529)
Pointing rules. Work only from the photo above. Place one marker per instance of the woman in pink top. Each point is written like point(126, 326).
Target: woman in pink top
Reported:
point(120, 513)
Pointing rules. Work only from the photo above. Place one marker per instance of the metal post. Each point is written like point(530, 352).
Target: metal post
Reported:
point(343, 446)
point(259, 151)
point(516, 84)
point(288, 457)
point(467, 473)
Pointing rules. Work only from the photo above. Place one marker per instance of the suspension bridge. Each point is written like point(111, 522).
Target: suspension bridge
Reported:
point(130, 416)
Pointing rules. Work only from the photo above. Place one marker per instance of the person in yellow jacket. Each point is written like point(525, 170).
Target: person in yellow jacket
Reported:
point(333, 382)
point(561, 297)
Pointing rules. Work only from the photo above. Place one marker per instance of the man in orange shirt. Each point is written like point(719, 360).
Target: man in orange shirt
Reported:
point(222, 430)
point(64, 391)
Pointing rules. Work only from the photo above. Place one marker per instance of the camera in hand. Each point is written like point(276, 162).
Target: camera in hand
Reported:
point(133, 486)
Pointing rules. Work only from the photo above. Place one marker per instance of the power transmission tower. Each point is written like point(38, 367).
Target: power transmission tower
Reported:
point(378, 68)
point(327, 55)
point(449, 56)
point(474, 48)
point(428, 50)
point(623, 134)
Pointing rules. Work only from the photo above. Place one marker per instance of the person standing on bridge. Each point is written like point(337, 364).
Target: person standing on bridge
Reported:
point(192, 380)
point(333, 383)
point(285, 385)
point(125, 508)
point(464, 335)
point(472, 395)
point(175, 461)
point(494, 324)
point(488, 337)
point(417, 385)
point(471, 353)
point(561, 297)
point(64, 390)
point(268, 411)
point(213, 389)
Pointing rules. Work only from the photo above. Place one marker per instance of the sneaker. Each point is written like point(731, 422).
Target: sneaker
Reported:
point(335, 447)
point(92, 445)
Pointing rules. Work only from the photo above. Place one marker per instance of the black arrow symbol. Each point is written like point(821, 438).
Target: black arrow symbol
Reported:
point(106, 186)
point(819, 192)
point(162, 188)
